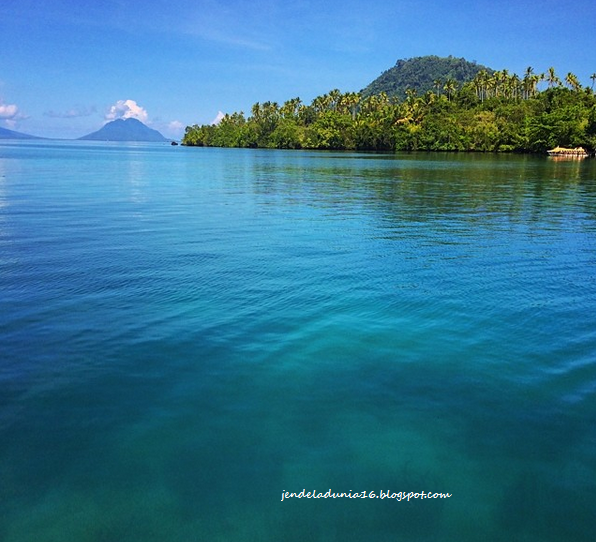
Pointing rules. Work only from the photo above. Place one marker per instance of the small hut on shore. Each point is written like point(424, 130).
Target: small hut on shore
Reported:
point(578, 152)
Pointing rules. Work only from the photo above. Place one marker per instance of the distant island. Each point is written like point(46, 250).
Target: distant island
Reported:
point(125, 130)
point(425, 103)
point(5, 133)
point(117, 130)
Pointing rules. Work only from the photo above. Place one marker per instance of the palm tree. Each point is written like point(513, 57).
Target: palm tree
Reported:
point(528, 82)
point(572, 81)
point(290, 108)
point(537, 79)
point(411, 94)
point(429, 98)
point(256, 111)
point(593, 77)
point(493, 84)
point(369, 105)
point(481, 81)
point(438, 84)
point(515, 84)
point(271, 109)
point(334, 98)
point(320, 103)
point(450, 86)
point(410, 107)
point(552, 78)
point(348, 103)
point(354, 103)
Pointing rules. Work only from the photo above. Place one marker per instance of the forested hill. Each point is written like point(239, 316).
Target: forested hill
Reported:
point(422, 74)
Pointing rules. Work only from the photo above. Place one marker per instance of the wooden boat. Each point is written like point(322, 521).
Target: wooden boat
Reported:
point(562, 152)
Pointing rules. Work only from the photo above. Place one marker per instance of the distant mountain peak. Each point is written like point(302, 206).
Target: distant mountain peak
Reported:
point(125, 130)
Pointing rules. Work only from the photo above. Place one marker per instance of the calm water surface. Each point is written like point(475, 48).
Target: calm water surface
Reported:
point(186, 333)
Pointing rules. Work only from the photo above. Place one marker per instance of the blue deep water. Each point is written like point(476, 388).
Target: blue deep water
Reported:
point(187, 333)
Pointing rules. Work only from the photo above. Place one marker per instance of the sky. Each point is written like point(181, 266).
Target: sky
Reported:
point(69, 66)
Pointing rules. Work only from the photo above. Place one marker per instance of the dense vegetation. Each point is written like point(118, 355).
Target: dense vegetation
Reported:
point(423, 73)
point(492, 112)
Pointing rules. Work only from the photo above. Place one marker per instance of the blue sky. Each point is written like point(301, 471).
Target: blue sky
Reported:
point(68, 66)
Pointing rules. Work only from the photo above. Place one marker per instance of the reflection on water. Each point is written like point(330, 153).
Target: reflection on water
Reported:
point(189, 332)
point(477, 187)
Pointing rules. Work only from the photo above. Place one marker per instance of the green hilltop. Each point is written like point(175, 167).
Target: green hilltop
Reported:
point(422, 74)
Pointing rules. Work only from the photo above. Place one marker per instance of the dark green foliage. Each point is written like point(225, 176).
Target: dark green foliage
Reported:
point(494, 112)
point(591, 127)
point(423, 74)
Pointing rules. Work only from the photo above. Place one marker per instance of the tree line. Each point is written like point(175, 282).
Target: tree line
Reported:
point(494, 112)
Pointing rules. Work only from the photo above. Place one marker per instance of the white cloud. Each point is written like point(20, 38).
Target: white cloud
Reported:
point(8, 111)
point(10, 114)
point(218, 118)
point(127, 109)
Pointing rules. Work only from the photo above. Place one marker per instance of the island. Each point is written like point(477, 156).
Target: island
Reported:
point(425, 104)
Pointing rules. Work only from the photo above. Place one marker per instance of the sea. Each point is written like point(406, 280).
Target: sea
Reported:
point(232, 345)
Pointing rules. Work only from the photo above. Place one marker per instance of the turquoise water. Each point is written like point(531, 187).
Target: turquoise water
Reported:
point(187, 333)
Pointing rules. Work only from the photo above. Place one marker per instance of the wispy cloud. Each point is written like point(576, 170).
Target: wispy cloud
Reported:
point(231, 39)
point(73, 113)
point(234, 24)
point(126, 109)
point(175, 126)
